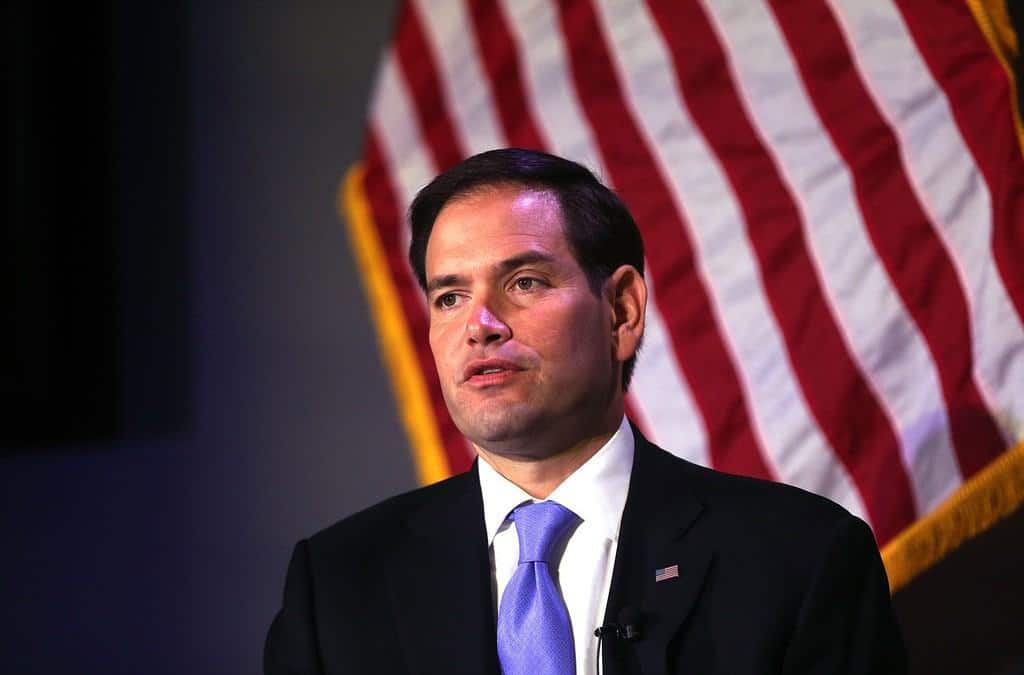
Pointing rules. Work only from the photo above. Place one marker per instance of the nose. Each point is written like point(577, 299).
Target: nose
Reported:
point(485, 326)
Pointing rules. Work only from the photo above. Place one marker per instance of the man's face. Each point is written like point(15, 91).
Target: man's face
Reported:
point(523, 347)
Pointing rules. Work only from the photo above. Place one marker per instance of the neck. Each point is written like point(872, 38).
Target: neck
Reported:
point(539, 476)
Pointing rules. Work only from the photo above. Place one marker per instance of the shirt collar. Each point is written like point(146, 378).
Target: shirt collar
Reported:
point(596, 492)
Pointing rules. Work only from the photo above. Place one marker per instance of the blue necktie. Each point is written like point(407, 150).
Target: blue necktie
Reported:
point(534, 635)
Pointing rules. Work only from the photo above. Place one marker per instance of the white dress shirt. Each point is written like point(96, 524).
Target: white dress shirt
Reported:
point(596, 492)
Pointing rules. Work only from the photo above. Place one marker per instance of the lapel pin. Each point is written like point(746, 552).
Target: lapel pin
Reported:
point(665, 573)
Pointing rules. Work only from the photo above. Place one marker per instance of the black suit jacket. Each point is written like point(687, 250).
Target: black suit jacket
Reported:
point(772, 579)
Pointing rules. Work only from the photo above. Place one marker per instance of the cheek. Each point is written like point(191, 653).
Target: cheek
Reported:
point(440, 337)
point(574, 334)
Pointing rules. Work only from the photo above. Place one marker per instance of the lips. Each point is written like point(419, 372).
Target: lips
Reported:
point(489, 371)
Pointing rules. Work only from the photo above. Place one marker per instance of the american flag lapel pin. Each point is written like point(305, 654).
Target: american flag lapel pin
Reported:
point(664, 573)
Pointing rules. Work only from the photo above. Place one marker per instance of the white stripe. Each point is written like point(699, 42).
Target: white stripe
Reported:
point(393, 114)
point(407, 160)
point(550, 91)
point(466, 90)
point(662, 396)
point(952, 191)
point(881, 335)
point(796, 447)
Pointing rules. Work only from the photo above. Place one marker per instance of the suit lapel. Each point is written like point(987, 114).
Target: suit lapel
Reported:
point(441, 585)
point(656, 532)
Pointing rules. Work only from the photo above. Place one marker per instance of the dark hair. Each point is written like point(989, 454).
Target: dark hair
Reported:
point(599, 228)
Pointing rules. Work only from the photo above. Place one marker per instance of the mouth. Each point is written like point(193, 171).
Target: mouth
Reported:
point(489, 372)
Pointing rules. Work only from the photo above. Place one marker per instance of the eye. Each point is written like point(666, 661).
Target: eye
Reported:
point(447, 300)
point(526, 283)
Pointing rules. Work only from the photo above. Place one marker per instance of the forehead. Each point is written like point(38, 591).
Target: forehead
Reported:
point(494, 222)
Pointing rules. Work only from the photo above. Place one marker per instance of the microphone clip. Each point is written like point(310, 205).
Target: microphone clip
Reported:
point(622, 631)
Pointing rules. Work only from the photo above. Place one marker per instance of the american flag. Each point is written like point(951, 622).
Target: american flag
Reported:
point(663, 573)
point(832, 199)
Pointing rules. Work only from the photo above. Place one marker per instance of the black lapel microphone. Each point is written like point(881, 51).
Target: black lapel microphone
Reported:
point(627, 628)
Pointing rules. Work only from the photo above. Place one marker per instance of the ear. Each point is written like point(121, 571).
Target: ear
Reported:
point(626, 291)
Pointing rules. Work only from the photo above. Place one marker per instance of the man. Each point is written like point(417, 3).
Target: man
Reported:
point(570, 522)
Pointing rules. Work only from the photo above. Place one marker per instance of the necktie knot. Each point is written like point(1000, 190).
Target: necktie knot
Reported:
point(541, 527)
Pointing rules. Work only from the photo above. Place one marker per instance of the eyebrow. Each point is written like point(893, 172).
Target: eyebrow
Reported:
point(503, 267)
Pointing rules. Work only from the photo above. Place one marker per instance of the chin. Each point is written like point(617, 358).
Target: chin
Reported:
point(496, 427)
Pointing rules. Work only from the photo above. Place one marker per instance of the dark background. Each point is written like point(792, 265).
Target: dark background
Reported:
point(190, 379)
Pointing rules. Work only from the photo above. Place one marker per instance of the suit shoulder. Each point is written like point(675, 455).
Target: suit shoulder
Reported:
point(378, 524)
point(766, 533)
point(776, 509)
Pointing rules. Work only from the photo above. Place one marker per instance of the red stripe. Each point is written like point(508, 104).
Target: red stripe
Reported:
point(980, 96)
point(905, 240)
point(839, 397)
point(690, 319)
point(497, 49)
point(377, 185)
point(416, 59)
